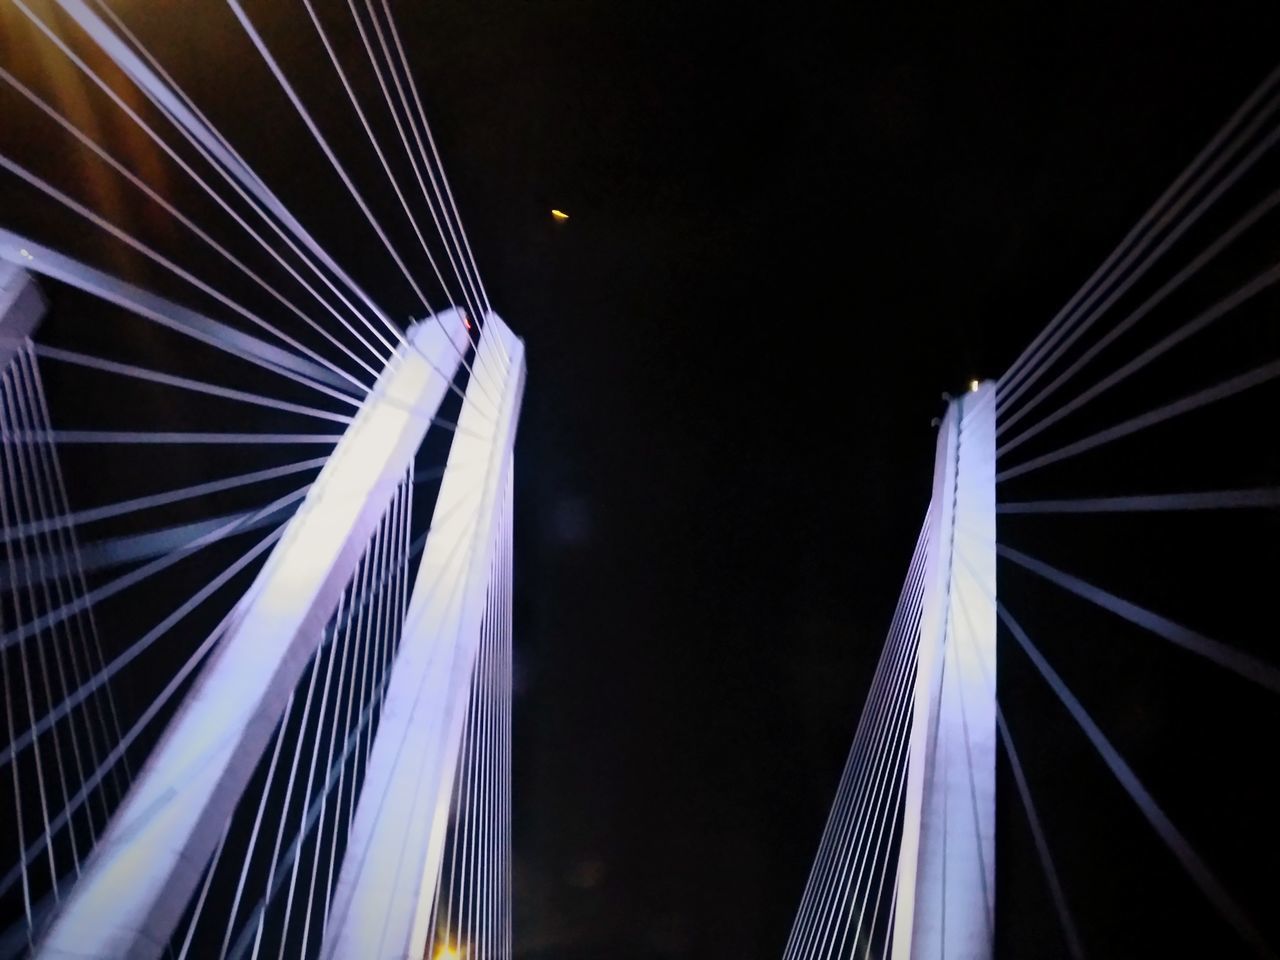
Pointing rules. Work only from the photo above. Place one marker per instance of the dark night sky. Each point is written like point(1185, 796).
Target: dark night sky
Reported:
point(792, 228)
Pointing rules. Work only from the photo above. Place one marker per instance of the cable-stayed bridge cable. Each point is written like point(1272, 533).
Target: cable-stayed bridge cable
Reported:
point(1165, 207)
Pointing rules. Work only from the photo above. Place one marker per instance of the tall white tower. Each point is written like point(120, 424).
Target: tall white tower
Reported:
point(146, 868)
point(946, 866)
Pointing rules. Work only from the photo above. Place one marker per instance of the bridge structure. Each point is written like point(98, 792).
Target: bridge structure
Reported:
point(311, 756)
point(257, 670)
point(1099, 519)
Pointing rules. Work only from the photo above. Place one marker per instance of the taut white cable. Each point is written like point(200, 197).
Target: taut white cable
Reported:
point(186, 221)
point(364, 644)
point(69, 521)
point(204, 893)
point(309, 912)
point(1171, 285)
point(151, 254)
point(257, 824)
point(884, 864)
point(17, 794)
point(346, 725)
point(472, 305)
point(187, 383)
point(11, 478)
point(1047, 866)
point(833, 831)
point(65, 540)
point(288, 794)
point(283, 81)
point(1201, 398)
point(331, 654)
point(426, 127)
point(1259, 284)
point(871, 730)
point(1023, 363)
point(141, 573)
point(118, 751)
point(30, 493)
point(210, 146)
point(373, 141)
point(888, 743)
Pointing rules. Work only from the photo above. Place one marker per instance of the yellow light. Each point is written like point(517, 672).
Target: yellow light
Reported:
point(559, 215)
point(973, 386)
point(448, 953)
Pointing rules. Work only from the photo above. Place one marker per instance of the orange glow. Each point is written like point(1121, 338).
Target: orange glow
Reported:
point(559, 215)
point(448, 953)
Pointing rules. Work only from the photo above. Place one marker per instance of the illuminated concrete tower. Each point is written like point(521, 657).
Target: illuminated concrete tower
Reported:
point(148, 864)
point(946, 867)
point(383, 903)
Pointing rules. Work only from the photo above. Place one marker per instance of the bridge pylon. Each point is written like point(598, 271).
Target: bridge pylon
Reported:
point(946, 865)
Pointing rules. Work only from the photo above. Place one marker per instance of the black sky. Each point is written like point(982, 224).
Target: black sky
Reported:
point(791, 228)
